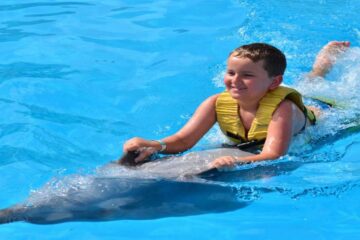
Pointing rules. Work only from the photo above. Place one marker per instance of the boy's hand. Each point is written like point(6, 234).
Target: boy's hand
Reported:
point(224, 162)
point(143, 146)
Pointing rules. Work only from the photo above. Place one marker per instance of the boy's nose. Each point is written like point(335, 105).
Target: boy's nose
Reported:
point(237, 79)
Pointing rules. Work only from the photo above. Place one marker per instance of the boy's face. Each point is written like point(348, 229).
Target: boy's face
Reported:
point(245, 80)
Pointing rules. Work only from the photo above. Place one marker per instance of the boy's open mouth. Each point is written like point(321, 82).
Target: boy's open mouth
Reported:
point(239, 89)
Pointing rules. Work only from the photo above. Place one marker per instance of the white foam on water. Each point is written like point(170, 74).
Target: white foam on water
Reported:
point(341, 85)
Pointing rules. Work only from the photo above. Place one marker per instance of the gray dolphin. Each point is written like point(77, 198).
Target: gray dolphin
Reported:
point(160, 188)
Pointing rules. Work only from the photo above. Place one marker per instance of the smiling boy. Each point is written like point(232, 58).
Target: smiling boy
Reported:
point(253, 108)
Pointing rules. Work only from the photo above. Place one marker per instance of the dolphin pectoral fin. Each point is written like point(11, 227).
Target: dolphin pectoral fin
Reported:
point(207, 173)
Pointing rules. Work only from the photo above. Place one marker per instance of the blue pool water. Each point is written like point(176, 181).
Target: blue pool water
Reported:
point(78, 78)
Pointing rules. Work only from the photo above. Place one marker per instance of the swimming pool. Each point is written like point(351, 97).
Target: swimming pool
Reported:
point(77, 78)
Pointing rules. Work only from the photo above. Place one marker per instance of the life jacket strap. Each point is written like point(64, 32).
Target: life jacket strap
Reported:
point(246, 145)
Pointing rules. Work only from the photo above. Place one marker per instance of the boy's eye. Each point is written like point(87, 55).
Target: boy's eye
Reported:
point(231, 73)
point(248, 75)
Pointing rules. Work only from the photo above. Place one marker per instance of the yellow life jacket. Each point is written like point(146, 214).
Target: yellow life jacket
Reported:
point(230, 123)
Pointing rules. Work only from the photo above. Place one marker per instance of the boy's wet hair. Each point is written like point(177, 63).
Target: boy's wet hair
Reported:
point(274, 59)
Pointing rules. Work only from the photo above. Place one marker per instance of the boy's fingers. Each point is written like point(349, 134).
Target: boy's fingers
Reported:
point(141, 156)
point(218, 163)
point(145, 152)
point(131, 146)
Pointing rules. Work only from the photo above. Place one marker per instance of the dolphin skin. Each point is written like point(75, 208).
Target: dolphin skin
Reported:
point(162, 188)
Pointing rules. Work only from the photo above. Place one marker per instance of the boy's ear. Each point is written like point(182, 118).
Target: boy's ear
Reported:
point(277, 80)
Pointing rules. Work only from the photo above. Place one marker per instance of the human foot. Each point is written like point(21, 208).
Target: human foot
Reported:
point(327, 57)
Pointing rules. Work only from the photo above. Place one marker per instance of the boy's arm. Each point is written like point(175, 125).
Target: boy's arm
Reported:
point(198, 125)
point(278, 138)
point(202, 120)
point(280, 131)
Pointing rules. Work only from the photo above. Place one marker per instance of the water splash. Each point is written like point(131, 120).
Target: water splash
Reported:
point(341, 85)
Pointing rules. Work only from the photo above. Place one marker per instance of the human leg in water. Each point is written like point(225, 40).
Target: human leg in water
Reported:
point(327, 57)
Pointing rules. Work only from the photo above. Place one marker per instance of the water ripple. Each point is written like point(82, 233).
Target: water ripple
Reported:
point(12, 7)
point(335, 190)
point(33, 70)
point(63, 155)
point(51, 14)
point(8, 129)
point(41, 113)
point(251, 193)
point(29, 143)
point(121, 9)
point(10, 35)
point(25, 23)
